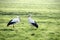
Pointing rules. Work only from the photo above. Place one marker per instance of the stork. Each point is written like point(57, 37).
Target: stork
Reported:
point(13, 21)
point(31, 21)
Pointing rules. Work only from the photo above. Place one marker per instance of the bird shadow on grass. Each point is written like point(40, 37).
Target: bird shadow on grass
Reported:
point(6, 30)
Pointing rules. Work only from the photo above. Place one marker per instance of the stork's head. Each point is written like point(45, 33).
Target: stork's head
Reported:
point(29, 15)
point(17, 16)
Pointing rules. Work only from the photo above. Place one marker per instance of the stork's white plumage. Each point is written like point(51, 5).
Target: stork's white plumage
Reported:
point(13, 21)
point(31, 21)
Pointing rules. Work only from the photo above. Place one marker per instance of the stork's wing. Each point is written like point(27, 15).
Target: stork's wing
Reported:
point(9, 23)
point(35, 24)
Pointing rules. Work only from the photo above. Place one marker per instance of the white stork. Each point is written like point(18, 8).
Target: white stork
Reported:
point(13, 21)
point(31, 21)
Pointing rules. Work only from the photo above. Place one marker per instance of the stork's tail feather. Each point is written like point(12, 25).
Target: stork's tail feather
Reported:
point(7, 25)
point(36, 26)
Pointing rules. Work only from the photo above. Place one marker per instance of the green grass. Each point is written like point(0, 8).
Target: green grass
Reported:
point(45, 12)
point(30, 5)
point(49, 27)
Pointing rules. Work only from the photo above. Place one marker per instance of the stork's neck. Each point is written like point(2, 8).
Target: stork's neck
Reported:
point(17, 16)
point(29, 17)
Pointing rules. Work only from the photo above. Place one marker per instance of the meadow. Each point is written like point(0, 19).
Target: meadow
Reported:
point(49, 26)
point(47, 15)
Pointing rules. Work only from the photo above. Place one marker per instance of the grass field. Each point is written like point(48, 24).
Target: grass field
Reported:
point(45, 13)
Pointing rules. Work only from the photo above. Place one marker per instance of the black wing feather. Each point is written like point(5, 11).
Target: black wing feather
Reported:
point(35, 24)
point(10, 22)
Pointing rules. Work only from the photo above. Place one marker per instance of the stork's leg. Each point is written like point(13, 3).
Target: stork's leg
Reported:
point(13, 25)
point(15, 29)
point(32, 27)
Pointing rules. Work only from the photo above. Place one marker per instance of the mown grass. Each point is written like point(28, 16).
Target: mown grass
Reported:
point(49, 26)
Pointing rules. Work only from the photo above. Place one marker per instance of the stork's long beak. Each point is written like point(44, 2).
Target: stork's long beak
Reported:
point(29, 15)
